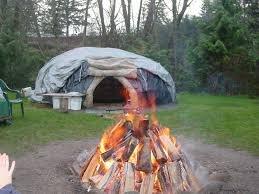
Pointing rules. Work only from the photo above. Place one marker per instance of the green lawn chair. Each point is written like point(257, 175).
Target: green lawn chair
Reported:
point(5, 108)
point(17, 100)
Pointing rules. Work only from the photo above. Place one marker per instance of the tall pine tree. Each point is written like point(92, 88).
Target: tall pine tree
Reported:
point(222, 55)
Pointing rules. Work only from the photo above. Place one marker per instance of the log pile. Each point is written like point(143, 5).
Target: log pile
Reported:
point(136, 156)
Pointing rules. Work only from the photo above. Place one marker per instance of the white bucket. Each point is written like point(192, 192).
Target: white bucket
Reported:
point(27, 92)
point(56, 102)
point(75, 103)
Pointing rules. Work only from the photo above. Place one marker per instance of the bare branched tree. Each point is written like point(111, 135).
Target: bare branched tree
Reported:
point(104, 31)
point(86, 20)
point(148, 27)
point(126, 10)
point(139, 15)
point(177, 18)
point(112, 17)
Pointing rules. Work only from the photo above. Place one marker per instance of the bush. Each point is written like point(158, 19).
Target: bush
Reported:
point(19, 62)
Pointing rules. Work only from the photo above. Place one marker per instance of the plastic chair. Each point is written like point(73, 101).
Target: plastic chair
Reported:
point(17, 100)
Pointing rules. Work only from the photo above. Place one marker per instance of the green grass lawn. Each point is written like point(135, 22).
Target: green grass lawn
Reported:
point(224, 120)
point(227, 121)
point(44, 125)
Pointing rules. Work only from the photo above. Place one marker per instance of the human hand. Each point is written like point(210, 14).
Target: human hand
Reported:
point(5, 172)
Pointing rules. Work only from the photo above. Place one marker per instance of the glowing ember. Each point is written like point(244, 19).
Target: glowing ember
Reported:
point(139, 155)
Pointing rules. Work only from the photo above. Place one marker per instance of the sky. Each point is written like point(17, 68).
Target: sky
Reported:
point(195, 7)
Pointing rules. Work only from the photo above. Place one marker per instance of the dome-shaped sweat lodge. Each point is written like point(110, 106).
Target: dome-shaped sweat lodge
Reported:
point(102, 74)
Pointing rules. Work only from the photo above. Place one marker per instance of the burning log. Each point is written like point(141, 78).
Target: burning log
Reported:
point(171, 180)
point(91, 166)
point(130, 149)
point(129, 178)
point(165, 180)
point(157, 186)
point(108, 154)
point(117, 156)
point(157, 149)
point(147, 184)
point(138, 177)
point(94, 180)
point(141, 127)
point(128, 125)
point(110, 174)
point(175, 173)
point(169, 145)
point(191, 178)
point(185, 184)
point(155, 129)
point(115, 187)
point(85, 165)
point(144, 125)
point(144, 156)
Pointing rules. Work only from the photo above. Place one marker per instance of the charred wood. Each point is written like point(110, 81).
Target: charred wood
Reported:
point(130, 149)
point(144, 157)
point(169, 145)
point(129, 178)
point(110, 174)
point(191, 178)
point(157, 149)
point(167, 185)
point(107, 155)
point(91, 166)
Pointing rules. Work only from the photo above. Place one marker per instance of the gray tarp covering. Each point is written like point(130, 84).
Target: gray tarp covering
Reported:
point(1, 94)
point(57, 73)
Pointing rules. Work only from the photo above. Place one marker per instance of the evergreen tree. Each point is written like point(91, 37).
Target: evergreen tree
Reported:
point(53, 22)
point(18, 61)
point(224, 45)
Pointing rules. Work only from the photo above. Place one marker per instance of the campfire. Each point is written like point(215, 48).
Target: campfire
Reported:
point(138, 155)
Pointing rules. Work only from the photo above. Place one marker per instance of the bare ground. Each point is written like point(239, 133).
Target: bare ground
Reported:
point(46, 171)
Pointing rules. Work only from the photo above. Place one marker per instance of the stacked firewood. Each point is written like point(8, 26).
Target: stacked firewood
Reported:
point(135, 156)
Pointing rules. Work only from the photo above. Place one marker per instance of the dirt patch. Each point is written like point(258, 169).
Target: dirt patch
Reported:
point(46, 171)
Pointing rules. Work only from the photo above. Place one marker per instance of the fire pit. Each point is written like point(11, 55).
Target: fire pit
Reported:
point(138, 155)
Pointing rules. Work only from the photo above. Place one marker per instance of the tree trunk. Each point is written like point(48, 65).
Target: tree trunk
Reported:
point(177, 18)
point(103, 33)
point(86, 20)
point(139, 15)
point(125, 14)
point(54, 18)
point(112, 18)
point(67, 16)
point(129, 17)
point(173, 46)
point(150, 18)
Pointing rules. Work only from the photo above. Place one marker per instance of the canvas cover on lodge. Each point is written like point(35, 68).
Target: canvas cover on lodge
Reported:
point(1, 94)
point(74, 70)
